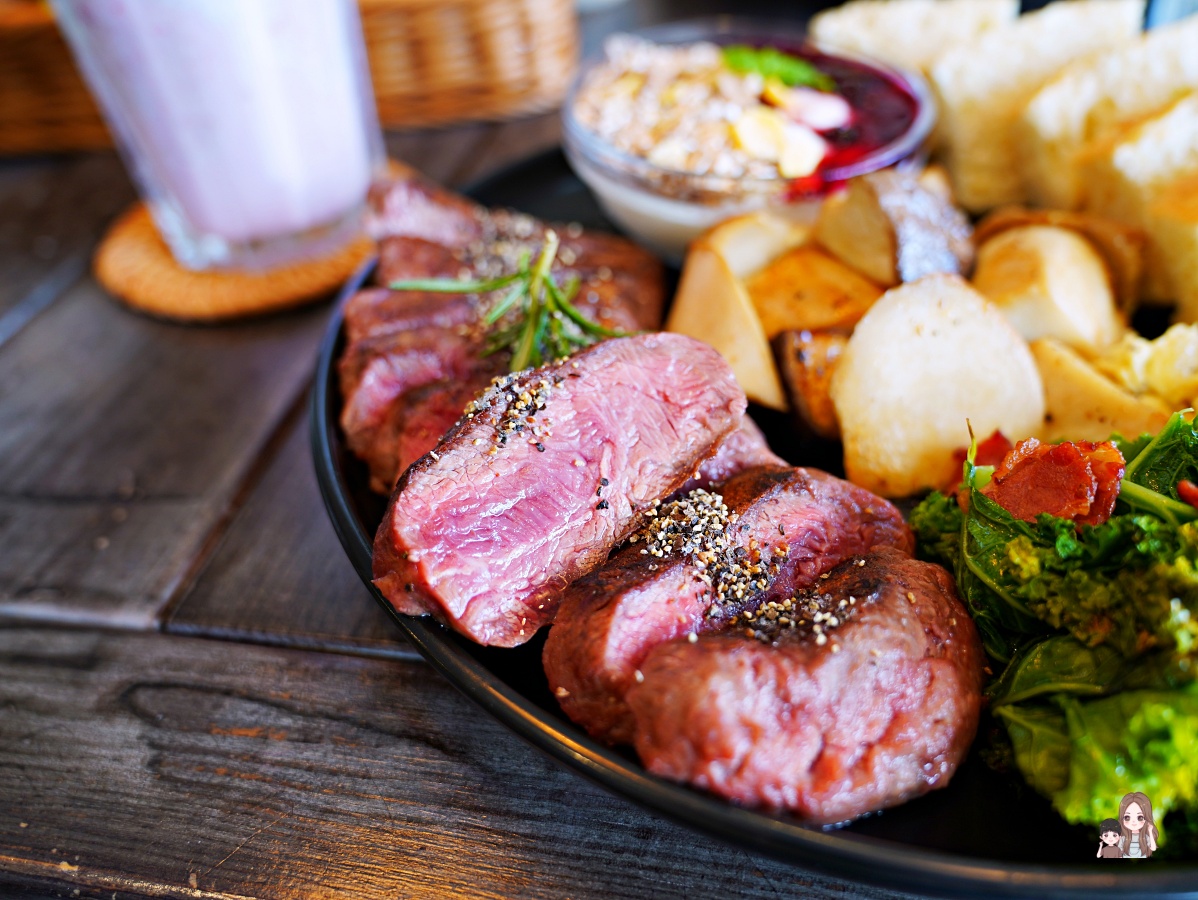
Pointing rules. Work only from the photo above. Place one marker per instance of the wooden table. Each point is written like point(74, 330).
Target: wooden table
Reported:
point(198, 697)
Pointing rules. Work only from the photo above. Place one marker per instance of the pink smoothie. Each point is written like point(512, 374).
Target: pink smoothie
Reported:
point(251, 120)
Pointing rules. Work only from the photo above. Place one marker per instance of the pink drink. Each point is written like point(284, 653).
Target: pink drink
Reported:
point(249, 124)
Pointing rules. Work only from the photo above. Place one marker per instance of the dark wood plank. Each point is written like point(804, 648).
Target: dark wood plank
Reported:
point(52, 212)
point(123, 443)
point(151, 764)
point(279, 575)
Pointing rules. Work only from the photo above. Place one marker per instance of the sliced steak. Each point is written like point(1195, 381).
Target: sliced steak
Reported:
point(377, 372)
point(376, 312)
point(792, 523)
point(745, 448)
point(380, 310)
point(486, 530)
point(429, 412)
point(410, 205)
point(621, 283)
point(830, 720)
point(394, 338)
point(398, 342)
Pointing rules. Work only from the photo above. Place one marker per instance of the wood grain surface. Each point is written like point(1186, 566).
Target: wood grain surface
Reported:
point(149, 759)
point(51, 215)
point(123, 443)
point(278, 575)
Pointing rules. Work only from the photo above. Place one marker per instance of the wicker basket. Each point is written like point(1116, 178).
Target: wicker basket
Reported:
point(44, 104)
point(440, 61)
point(433, 62)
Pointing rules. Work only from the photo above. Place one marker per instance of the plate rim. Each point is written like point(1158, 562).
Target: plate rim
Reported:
point(859, 858)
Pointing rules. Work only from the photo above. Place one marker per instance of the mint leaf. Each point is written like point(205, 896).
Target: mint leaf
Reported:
point(769, 62)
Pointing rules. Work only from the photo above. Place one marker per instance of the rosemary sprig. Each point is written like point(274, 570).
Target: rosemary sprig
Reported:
point(536, 319)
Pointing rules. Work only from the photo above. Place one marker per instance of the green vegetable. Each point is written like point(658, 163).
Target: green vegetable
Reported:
point(1096, 628)
point(1155, 467)
point(1129, 583)
point(536, 319)
point(1130, 448)
point(1040, 741)
point(975, 546)
point(1058, 665)
point(793, 71)
point(1168, 458)
point(1085, 754)
point(936, 523)
point(1061, 664)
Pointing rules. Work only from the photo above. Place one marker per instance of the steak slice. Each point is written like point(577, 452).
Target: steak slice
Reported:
point(803, 521)
point(379, 310)
point(487, 529)
point(621, 285)
point(429, 412)
point(744, 449)
point(410, 205)
point(871, 706)
point(400, 342)
point(377, 372)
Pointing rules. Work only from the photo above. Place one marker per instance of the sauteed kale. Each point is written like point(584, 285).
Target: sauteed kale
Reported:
point(1092, 629)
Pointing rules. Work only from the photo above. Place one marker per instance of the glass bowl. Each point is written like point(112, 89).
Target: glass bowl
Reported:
point(666, 208)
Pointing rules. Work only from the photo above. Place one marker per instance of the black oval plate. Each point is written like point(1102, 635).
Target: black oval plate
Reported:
point(985, 835)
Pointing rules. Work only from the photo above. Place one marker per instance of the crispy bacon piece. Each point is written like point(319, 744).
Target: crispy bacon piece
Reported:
point(1076, 480)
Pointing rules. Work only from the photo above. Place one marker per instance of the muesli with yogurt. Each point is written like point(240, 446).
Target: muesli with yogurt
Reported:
point(694, 108)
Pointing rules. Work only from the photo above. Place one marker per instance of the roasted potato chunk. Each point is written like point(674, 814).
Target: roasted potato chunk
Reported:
point(806, 289)
point(1120, 245)
point(806, 361)
point(1050, 282)
point(712, 304)
point(1082, 404)
point(892, 228)
point(928, 359)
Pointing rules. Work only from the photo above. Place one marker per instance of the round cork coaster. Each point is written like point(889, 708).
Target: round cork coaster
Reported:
point(134, 263)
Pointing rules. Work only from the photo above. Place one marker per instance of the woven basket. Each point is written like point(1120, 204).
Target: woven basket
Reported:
point(44, 104)
point(440, 61)
point(433, 62)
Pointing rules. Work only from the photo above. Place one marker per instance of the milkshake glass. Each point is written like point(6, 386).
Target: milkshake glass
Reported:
point(248, 125)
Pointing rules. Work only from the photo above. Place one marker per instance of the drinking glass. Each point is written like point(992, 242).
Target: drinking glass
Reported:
point(249, 126)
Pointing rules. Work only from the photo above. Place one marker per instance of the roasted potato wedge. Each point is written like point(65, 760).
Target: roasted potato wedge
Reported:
point(750, 242)
point(928, 358)
point(807, 289)
point(713, 305)
point(1120, 246)
point(1050, 282)
point(892, 228)
point(1082, 404)
point(806, 361)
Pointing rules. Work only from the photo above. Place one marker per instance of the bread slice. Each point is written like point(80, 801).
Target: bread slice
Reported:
point(1172, 224)
point(1127, 171)
point(909, 34)
point(1091, 96)
point(983, 86)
